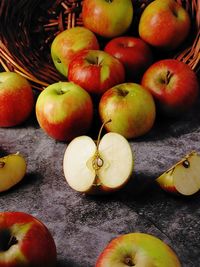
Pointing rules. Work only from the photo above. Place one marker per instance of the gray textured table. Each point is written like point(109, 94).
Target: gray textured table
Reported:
point(82, 225)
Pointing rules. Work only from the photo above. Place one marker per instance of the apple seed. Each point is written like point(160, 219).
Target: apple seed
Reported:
point(186, 163)
point(97, 162)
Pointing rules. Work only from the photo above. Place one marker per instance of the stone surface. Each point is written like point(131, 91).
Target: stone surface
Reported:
point(83, 225)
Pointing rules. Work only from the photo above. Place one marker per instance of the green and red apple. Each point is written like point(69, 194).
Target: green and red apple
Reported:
point(96, 71)
point(173, 84)
point(139, 250)
point(67, 43)
point(12, 170)
point(64, 111)
point(131, 109)
point(16, 99)
point(98, 167)
point(183, 178)
point(164, 24)
point(107, 18)
point(133, 52)
point(25, 241)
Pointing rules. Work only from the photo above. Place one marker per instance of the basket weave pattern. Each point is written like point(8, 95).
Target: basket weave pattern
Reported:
point(27, 29)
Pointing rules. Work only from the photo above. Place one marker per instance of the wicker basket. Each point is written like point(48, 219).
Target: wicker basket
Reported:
point(27, 28)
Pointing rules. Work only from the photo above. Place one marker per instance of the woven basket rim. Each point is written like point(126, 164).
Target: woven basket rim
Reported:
point(18, 54)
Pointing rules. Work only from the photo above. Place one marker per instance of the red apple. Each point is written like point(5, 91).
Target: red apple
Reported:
point(16, 99)
point(67, 43)
point(107, 18)
point(173, 84)
point(25, 241)
point(64, 111)
point(133, 52)
point(130, 108)
point(164, 24)
point(96, 71)
point(137, 249)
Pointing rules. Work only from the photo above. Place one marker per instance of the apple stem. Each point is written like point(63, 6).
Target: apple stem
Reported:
point(2, 164)
point(98, 161)
point(168, 77)
point(100, 131)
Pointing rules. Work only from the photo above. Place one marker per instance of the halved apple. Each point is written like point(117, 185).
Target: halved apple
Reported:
point(102, 166)
point(183, 177)
point(12, 170)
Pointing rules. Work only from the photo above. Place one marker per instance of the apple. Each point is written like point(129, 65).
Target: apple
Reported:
point(16, 99)
point(133, 52)
point(131, 109)
point(96, 71)
point(173, 84)
point(98, 167)
point(67, 43)
point(183, 178)
point(139, 250)
point(64, 110)
point(25, 241)
point(12, 170)
point(107, 18)
point(164, 24)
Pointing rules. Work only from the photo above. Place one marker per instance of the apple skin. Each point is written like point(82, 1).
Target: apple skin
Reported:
point(16, 99)
point(164, 24)
point(12, 170)
point(107, 18)
point(131, 109)
point(67, 43)
point(137, 249)
point(33, 244)
point(165, 181)
point(64, 111)
point(173, 84)
point(96, 71)
point(133, 52)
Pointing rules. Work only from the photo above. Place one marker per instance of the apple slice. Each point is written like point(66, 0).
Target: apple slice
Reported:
point(12, 170)
point(103, 166)
point(183, 177)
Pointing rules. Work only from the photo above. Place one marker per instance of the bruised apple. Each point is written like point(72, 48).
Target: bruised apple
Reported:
point(183, 177)
point(95, 167)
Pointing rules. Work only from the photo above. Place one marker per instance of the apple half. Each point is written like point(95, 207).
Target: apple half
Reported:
point(12, 170)
point(96, 167)
point(183, 177)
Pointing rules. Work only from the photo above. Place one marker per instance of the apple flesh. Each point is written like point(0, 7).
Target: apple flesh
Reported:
point(96, 71)
point(64, 111)
point(164, 24)
point(25, 241)
point(133, 52)
point(173, 84)
point(131, 109)
point(67, 43)
point(12, 170)
point(183, 178)
point(16, 99)
point(104, 166)
point(139, 250)
point(107, 18)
